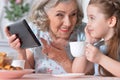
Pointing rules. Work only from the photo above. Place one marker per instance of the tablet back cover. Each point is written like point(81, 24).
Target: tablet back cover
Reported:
point(24, 32)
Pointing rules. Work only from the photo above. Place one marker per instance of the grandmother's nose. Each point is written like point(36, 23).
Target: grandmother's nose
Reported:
point(67, 21)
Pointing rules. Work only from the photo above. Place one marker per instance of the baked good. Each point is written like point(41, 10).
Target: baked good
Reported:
point(5, 62)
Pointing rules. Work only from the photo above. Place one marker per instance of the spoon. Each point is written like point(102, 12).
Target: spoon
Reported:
point(99, 43)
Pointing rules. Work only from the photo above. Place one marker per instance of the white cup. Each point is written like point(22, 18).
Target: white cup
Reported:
point(77, 48)
point(18, 63)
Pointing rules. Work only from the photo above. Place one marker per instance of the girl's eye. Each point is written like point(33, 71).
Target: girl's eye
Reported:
point(91, 18)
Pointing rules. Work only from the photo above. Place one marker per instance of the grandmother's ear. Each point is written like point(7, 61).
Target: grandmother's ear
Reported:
point(112, 21)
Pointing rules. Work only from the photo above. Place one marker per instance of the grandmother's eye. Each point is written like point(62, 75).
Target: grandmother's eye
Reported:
point(74, 14)
point(59, 14)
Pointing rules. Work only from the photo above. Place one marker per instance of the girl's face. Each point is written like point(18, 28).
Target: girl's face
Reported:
point(98, 26)
point(63, 18)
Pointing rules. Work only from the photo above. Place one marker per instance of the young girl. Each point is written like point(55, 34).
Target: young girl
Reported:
point(103, 23)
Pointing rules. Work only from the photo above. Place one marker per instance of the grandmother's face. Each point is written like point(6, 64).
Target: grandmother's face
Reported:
point(63, 18)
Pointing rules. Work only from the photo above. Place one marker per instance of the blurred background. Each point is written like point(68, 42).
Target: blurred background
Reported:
point(11, 11)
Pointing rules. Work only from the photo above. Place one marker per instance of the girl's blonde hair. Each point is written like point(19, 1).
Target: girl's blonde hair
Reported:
point(38, 12)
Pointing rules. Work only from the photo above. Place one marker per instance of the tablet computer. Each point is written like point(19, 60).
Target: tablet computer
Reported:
point(24, 32)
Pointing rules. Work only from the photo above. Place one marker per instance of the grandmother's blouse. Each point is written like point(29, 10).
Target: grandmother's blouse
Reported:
point(47, 65)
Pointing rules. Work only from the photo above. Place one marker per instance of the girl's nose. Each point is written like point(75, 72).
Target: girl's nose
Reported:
point(88, 23)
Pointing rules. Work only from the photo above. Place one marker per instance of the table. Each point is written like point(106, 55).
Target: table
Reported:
point(50, 77)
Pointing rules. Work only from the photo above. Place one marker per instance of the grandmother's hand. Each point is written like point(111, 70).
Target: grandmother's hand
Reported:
point(13, 40)
point(54, 51)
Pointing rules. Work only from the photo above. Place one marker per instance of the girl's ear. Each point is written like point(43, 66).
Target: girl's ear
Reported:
point(112, 21)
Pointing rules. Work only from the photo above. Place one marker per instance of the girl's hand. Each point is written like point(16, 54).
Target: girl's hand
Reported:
point(93, 54)
point(89, 38)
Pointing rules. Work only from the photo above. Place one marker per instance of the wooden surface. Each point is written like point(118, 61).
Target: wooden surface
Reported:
point(50, 77)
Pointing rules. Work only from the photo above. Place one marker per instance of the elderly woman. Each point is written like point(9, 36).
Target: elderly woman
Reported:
point(57, 23)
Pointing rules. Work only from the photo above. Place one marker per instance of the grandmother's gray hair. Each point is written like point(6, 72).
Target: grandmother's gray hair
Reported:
point(38, 12)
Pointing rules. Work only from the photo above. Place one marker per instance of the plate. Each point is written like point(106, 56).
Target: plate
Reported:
point(69, 75)
point(13, 74)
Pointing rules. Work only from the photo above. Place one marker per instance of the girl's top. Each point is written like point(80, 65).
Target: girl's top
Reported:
point(46, 65)
point(103, 49)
